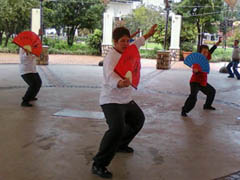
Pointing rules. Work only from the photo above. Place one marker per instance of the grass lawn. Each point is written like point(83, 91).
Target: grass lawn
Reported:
point(150, 45)
point(221, 54)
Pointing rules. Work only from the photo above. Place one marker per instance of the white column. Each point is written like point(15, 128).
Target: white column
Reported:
point(107, 28)
point(176, 32)
point(35, 24)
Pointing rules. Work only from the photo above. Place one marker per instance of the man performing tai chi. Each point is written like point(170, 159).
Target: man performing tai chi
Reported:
point(124, 117)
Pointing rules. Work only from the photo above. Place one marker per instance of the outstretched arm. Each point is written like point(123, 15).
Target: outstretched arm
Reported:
point(215, 45)
point(151, 32)
point(134, 34)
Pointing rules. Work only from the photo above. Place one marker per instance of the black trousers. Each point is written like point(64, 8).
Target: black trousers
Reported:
point(34, 81)
point(192, 99)
point(124, 122)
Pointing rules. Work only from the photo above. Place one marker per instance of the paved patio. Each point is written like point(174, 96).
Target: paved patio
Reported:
point(36, 145)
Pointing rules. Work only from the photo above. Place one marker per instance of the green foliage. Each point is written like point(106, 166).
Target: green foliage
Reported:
point(74, 14)
point(159, 36)
point(235, 36)
point(187, 46)
point(95, 40)
point(203, 19)
point(143, 18)
point(15, 16)
point(222, 55)
point(10, 48)
point(188, 32)
point(150, 54)
point(152, 45)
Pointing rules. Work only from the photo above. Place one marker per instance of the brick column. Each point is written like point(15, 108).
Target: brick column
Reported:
point(105, 49)
point(175, 54)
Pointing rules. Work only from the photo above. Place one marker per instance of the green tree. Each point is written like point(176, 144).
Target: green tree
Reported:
point(143, 18)
point(202, 14)
point(159, 36)
point(95, 40)
point(74, 14)
point(15, 16)
point(1, 30)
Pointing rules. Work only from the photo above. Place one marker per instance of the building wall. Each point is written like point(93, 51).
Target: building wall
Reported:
point(119, 9)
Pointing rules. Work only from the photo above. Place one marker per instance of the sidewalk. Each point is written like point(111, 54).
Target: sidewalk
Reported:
point(35, 144)
point(54, 59)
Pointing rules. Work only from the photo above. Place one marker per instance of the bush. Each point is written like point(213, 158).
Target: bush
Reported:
point(222, 55)
point(95, 40)
point(11, 48)
point(150, 54)
point(57, 46)
point(187, 46)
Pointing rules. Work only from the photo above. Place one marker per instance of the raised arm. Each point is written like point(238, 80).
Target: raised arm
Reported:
point(215, 45)
point(134, 34)
point(151, 32)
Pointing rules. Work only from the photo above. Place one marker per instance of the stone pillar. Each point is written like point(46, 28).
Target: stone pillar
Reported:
point(105, 49)
point(175, 37)
point(43, 59)
point(107, 32)
point(163, 60)
point(175, 54)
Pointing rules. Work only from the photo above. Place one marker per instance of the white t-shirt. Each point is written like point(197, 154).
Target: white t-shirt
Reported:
point(236, 53)
point(110, 93)
point(27, 62)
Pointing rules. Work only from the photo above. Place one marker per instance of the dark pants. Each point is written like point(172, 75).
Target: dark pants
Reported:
point(192, 99)
point(124, 122)
point(234, 65)
point(34, 81)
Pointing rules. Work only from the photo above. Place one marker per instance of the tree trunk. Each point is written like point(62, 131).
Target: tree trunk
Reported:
point(199, 35)
point(70, 35)
point(7, 38)
point(1, 37)
point(202, 35)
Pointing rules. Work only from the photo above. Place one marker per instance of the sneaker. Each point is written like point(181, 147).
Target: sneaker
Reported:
point(125, 150)
point(184, 114)
point(26, 104)
point(101, 172)
point(34, 99)
point(209, 108)
point(230, 76)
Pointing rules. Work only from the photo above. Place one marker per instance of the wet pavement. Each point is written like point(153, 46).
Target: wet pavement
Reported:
point(35, 144)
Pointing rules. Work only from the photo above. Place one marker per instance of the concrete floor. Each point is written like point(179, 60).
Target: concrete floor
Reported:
point(35, 145)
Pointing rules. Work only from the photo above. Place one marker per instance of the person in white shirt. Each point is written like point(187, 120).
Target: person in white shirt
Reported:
point(124, 117)
point(235, 61)
point(30, 75)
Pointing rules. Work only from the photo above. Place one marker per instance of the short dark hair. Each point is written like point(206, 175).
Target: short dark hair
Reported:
point(119, 32)
point(203, 47)
point(237, 41)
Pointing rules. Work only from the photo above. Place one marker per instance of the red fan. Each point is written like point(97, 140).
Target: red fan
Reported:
point(29, 41)
point(129, 65)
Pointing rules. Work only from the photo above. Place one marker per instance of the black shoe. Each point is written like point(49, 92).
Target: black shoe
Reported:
point(26, 104)
point(209, 108)
point(238, 78)
point(184, 114)
point(101, 172)
point(230, 76)
point(34, 99)
point(125, 150)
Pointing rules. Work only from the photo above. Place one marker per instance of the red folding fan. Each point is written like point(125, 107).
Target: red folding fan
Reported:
point(29, 41)
point(129, 65)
